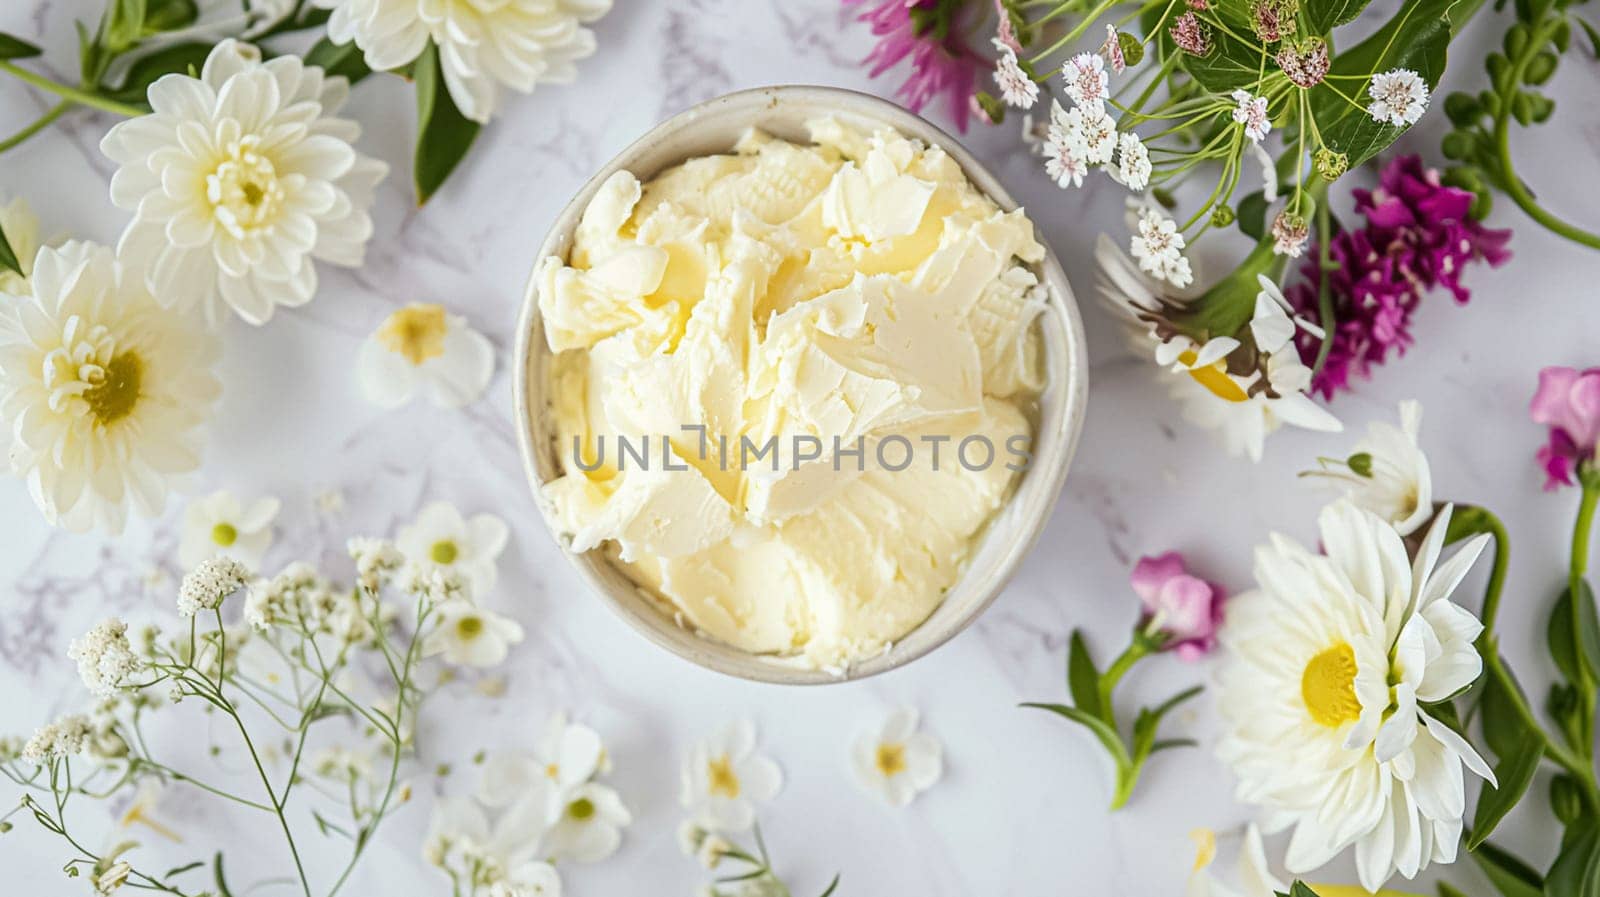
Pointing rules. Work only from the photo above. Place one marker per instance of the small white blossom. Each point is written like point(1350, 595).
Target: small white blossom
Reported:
point(723, 777)
point(376, 561)
point(588, 825)
point(1112, 50)
point(1399, 97)
point(1158, 248)
point(1251, 112)
point(63, 738)
point(711, 850)
point(1065, 155)
point(220, 524)
point(1016, 88)
point(1087, 80)
point(468, 635)
point(897, 761)
point(442, 538)
point(105, 657)
point(1133, 161)
point(112, 878)
point(436, 584)
point(296, 593)
point(1289, 234)
point(1097, 132)
point(422, 347)
point(206, 585)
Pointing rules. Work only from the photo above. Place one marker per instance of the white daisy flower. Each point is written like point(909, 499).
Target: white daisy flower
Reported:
point(105, 390)
point(483, 44)
point(1386, 472)
point(423, 346)
point(240, 181)
point(1399, 97)
point(898, 762)
point(468, 635)
point(1133, 162)
point(1158, 248)
point(1086, 81)
point(588, 824)
point(1016, 88)
point(1327, 668)
point(21, 229)
point(568, 755)
point(220, 524)
point(723, 777)
point(1251, 112)
point(441, 539)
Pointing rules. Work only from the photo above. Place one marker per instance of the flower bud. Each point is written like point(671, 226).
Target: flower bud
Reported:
point(1184, 609)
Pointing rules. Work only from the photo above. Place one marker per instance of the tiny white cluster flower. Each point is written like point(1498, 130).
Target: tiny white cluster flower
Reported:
point(1087, 80)
point(65, 737)
point(1016, 88)
point(1251, 112)
point(1133, 161)
point(105, 657)
point(897, 761)
point(376, 561)
point(439, 586)
point(1096, 133)
point(723, 777)
point(205, 586)
point(1399, 97)
point(1158, 248)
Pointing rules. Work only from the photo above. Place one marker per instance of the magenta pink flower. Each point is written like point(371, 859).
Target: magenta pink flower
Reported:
point(1568, 402)
point(928, 32)
point(1418, 237)
point(1185, 608)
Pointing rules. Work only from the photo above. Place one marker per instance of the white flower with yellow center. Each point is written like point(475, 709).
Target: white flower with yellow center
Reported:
point(468, 635)
point(1386, 472)
point(103, 389)
point(21, 230)
point(475, 850)
point(239, 181)
point(483, 44)
point(568, 755)
point(587, 824)
point(220, 524)
point(724, 777)
point(441, 539)
point(1328, 667)
point(897, 761)
point(423, 346)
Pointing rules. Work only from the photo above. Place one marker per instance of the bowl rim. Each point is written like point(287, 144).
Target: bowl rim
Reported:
point(651, 622)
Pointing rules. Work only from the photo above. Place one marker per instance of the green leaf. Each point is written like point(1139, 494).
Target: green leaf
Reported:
point(179, 870)
point(169, 15)
point(1301, 889)
point(1416, 39)
point(1510, 875)
point(1593, 35)
point(1566, 798)
point(1253, 215)
point(1559, 633)
point(1232, 63)
point(1514, 773)
point(1083, 680)
point(1503, 727)
point(220, 879)
point(1576, 871)
point(16, 48)
point(339, 59)
point(832, 886)
point(8, 256)
point(1107, 736)
point(178, 59)
point(124, 24)
point(1326, 15)
point(443, 134)
point(1448, 890)
point(1145, 725)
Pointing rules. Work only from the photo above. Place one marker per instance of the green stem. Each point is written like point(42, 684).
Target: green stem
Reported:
point(1575, 573)
point(74, 94)
point(1497, 576)
point(43, 122)
point(1114, 673)
point(1075, 33)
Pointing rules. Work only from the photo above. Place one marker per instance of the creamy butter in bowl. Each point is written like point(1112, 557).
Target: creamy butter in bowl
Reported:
point(798, 384)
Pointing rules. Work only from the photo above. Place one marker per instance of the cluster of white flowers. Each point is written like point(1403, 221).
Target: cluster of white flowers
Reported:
point(1016, 88)
point(1251, 112)
point(1086, 135)
point(451, 561)
point(299, 596)
point(377, 560)
point(65, 737)
point(1399, 97)
point(1158, 248)
point(205, 586)
point(105, 657)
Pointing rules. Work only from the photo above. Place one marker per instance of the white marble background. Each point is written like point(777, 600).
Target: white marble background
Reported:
point(1020, 810)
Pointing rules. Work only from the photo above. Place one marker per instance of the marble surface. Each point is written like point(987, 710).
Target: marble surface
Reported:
point(1020, 810)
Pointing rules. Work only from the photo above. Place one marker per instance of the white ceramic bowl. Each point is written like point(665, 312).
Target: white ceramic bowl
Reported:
point(713, 127)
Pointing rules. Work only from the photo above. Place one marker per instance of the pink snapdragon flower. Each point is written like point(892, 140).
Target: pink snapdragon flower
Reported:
point(1568, 402)
point(1187, 609)
point(941, 63)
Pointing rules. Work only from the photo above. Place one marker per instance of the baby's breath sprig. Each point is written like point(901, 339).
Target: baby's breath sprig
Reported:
point(754, 878)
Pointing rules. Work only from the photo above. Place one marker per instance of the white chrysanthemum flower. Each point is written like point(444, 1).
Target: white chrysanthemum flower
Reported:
point(1133, 162)
point(205, 586)
point(105, 657)
point(442, 538)
point(423, 346)
point(21, 229)
point(468, 635)
point(219, 525)
point(568, 755)
point(588, 824)
point(897, 761)
point(239, 181)
point(1251, 112)
point(723, 777)
point(1399, 97)
point(1386, 472)
point(1327, 669)
point(1086, 80)
point(103, 388)
point(1016, 88)
point(483, 44)
point(1158, 246)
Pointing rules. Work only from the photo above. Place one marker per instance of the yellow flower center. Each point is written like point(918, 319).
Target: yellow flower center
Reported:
point(1214, 377)
point(443, 551)
point(551, 771)
point(244, 190)
point(724, 780)
point(469, 628)
point(1328, 686)
point(224, 534)
point(581, 809)
point(114, 389)
point(891, 759)
point(415, 332)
